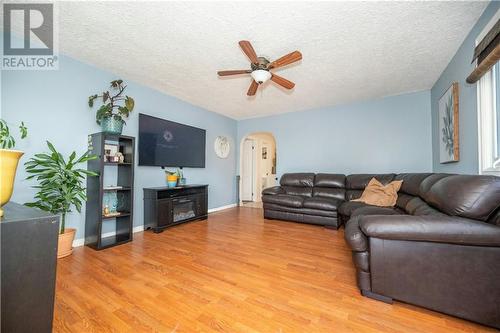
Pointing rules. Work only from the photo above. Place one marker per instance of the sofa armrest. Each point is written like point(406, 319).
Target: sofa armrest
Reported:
point(441, 229)
point(273, 190)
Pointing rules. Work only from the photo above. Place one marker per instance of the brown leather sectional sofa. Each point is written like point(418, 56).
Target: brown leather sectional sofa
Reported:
point(439, 247)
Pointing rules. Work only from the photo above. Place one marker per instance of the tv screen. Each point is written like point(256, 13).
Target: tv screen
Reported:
point(169, 144)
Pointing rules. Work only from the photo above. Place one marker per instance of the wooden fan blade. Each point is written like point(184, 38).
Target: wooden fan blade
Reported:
point(253, 88)
point(249, 51)
point(282, 81)
point(286, 60)
point(235, 72)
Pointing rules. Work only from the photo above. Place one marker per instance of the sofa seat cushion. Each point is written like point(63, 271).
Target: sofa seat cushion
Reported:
point(322, 203)
point(348, 207)
point(284, 200)
point(303, 211)
point(374, 210)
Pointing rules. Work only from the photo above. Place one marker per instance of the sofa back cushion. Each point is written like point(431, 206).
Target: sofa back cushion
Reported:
point(470, 196)
point(410, 188)
point(495, 218)
point(417, 206)
point(296, 190)
point(355, 184)
point(428, 182)
point(329, 185)
point(411, 182)
point(298, 183)
point(403, 200)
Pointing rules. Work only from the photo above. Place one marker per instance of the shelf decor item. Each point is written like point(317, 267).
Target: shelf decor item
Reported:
point(110, 201)
point(172, 180)
point(175, 178)
point(111, 153)
point(222, 146)
point(9, 160)
point(60, 187)
point(448, 125)
point(181, 181)
point(114, 109)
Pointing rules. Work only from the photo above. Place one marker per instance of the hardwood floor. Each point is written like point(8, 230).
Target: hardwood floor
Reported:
point(235, 272)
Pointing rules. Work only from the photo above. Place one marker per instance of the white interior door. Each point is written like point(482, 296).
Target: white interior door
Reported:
point(248, 170)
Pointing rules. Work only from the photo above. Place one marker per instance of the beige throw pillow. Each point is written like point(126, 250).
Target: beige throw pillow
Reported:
point(377, 194)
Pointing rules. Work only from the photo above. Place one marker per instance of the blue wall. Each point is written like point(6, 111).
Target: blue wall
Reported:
point(53, 104)
point(391, 134)
point(457, 71)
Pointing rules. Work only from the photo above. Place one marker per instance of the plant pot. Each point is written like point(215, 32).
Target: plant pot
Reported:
point(8, 167)
point(65, 243)
point(112, 125)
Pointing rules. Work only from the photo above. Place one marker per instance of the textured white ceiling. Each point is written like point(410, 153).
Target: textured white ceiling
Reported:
point(352, 51)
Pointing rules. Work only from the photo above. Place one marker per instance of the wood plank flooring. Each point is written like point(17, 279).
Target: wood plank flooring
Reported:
point(235, 272)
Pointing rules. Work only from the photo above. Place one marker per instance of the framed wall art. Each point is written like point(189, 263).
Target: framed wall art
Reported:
point(448, 126)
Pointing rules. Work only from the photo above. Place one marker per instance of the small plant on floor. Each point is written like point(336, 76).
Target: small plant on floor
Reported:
point(60, 182)
point(114, 109)
point(6, 139)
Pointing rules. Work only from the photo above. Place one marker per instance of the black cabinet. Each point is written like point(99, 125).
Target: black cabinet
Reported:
point(28, 269)
point(164, 206)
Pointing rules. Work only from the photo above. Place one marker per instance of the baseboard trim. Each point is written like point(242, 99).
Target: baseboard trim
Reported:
point(216, 209)
point(81, 241)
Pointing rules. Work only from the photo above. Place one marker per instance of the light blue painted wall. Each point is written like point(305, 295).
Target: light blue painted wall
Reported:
point(53, 104)
point(457, 71)
point(391, 134)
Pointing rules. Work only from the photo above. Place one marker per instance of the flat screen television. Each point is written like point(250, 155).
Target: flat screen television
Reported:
point(169, 144)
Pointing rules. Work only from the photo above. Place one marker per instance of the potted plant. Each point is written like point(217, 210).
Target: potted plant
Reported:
point(9, 159)
point(60, 187)
point(114, 109)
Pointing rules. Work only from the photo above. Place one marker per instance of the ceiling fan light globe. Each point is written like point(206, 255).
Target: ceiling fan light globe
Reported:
point(261, 75)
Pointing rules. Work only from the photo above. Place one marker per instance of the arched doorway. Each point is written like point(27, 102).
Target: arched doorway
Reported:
point(257, 167)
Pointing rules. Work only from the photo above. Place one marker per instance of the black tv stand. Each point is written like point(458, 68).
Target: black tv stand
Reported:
point(168, 206)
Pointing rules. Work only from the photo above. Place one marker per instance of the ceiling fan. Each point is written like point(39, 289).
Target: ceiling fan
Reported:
point(261, 68)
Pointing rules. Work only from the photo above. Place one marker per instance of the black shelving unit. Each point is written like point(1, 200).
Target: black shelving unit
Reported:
point(124, 172)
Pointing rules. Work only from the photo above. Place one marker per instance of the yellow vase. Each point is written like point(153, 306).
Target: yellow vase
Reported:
point(8, 167)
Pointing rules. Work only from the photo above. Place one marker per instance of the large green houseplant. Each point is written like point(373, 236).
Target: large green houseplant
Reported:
point(115, 107)
point(60, 187)
point(9, 158)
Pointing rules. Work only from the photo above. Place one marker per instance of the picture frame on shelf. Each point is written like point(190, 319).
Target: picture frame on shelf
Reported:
point(111, 153)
